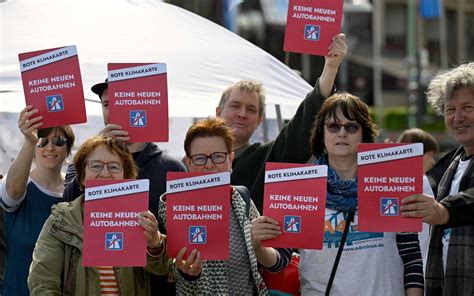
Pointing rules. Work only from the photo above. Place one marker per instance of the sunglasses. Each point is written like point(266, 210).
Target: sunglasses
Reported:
point(335, 127)
point(58, 141)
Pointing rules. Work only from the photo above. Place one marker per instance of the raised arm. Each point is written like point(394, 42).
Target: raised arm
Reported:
point(336, 54)
point(19, 171)
point(292, 143)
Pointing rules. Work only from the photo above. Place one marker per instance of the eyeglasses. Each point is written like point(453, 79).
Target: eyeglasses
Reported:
point(335, 127)
point(58, 141)
point(97, 166)
point(216, 158)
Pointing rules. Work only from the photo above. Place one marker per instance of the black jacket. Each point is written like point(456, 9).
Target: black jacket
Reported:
point(459, 277)
point(291, 145)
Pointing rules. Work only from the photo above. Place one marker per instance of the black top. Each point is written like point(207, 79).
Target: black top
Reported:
point(291, 145)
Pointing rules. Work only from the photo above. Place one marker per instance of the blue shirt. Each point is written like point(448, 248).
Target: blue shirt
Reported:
point(22, 227)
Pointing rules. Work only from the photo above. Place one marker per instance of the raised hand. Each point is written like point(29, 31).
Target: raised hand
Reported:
point(28, 125)
point(337, 51)
point(115, 131)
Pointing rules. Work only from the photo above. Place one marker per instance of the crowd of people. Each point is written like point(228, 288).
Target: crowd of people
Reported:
point(41, 233)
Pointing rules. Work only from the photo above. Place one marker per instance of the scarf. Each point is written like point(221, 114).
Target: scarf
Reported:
point(341, 194)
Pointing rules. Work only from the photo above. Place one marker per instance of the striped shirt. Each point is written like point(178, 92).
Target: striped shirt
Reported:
point(108, 281)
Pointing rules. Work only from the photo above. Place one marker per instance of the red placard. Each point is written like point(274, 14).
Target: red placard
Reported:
point(138, 100)
point(295, 196)
point(386, 174)
point(311, 25)
point(52, 83)
point(197, 214)
point(112, 235)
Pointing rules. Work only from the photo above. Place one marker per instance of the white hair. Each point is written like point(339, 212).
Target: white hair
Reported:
point(443, 86)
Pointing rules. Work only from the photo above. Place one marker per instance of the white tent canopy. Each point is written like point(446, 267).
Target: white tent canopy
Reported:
point(202, 57)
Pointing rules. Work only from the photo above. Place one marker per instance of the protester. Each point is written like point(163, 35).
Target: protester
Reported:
point(371, 263)
point(242, 107)
point(208, 147)
point(152, 164)
point(430, 145)
point(28, 194)
point(57, 259)
point(450, 267)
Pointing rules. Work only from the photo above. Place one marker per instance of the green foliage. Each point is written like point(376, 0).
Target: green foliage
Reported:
point(396, 119)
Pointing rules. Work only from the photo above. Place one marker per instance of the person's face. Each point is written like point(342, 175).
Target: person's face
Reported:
point(241, 113)
point(428, 160)
point(105, 105)
point(96, 159)
point(342, 142)
point(459, 117)
point(51, 155)
point(206, 146)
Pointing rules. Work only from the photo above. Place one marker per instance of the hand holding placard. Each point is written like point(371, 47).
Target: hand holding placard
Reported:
point(52, 83)
point(295, 198)
point(425, 207)
point(383, 181)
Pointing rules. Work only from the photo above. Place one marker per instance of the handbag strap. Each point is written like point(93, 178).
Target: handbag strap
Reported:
point(339, 253)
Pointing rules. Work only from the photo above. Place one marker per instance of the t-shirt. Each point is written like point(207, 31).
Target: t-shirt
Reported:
point(370, 262)
point(462, 167)
point(424, 235)
point(24, 219)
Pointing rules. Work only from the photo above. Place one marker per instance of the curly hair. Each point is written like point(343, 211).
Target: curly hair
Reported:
point(248, 86)
point(353, 108)
point(443, 86)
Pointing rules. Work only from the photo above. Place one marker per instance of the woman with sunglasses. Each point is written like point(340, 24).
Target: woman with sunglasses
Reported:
point(208, 147)
point(28, 194)
point(370, 263)
point(57, 258)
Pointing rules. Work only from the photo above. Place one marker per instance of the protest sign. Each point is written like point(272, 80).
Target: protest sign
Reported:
point(197, 213)
point(138, 100)
point(112, 235)
point(387, 173)
point(311, 25)
point(295, 196)
point(52, 83)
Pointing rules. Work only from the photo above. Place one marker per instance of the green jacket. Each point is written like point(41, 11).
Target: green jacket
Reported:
point(57, 260)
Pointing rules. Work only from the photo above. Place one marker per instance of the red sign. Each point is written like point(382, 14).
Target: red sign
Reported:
point(295, 196)
point(138, 100)
point(311, 25)
point(386, 174)
point(52, 83)
point(197, 213)
point(112, 235)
